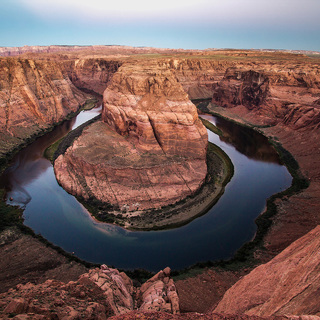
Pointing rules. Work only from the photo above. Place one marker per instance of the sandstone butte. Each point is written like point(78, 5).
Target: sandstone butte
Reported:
point(278, 93)
point(148, 151)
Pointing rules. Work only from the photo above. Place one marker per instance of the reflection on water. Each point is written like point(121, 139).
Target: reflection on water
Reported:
point(247, 141)
point(58, 216)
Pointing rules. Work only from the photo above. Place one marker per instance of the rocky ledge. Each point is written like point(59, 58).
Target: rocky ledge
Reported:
point(99, 294)
point(148, 151)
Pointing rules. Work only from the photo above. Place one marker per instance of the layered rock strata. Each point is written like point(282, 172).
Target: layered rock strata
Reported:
point(148, 151)
point(34, 95)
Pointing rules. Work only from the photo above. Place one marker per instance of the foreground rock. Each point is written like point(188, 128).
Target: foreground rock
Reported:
point(98, 294)
point(207, 316)
point(148, 151)
point(288, 284)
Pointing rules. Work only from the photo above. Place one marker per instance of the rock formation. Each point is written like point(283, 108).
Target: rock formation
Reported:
point(148, 151)
point(34, 95)
point(99, 294)
point(159, 294)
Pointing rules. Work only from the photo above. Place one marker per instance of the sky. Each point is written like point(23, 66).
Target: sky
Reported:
point(187, 24)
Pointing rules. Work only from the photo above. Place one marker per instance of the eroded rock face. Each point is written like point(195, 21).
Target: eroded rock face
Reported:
point(147, 104)
point(116, 287)
point(34, 95)
point(288, 284)
point(149, 150)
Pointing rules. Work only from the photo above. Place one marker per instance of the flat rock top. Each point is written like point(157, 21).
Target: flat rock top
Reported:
point(100, 144)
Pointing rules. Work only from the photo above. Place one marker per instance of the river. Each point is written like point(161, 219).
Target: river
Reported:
point(50, 211)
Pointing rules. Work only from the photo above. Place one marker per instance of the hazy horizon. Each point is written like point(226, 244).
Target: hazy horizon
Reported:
point(188, 24)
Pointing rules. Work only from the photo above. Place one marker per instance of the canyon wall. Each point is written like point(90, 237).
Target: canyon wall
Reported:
point(91, 74)
point(148, 151)
point(34, 95)
point(278, 88)
point(287, 94)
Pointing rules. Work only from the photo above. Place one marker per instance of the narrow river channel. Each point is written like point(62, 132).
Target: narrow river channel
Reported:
point(60, 218)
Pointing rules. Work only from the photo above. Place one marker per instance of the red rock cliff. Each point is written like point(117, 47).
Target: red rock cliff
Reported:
point(92, 74)
point(34, 95)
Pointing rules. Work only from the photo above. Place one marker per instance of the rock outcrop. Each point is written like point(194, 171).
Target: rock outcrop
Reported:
point(34, 95)
point(98, 294)
point(159, 294)
point(288, 284)
point(148, 151)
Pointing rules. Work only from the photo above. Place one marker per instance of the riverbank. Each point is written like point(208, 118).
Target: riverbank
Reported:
point(27, 257)
point(220, 171)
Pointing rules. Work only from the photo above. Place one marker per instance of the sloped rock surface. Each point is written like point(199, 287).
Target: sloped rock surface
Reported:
point(288, 284)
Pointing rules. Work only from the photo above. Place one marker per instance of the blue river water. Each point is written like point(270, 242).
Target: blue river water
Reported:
point(61, 219)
